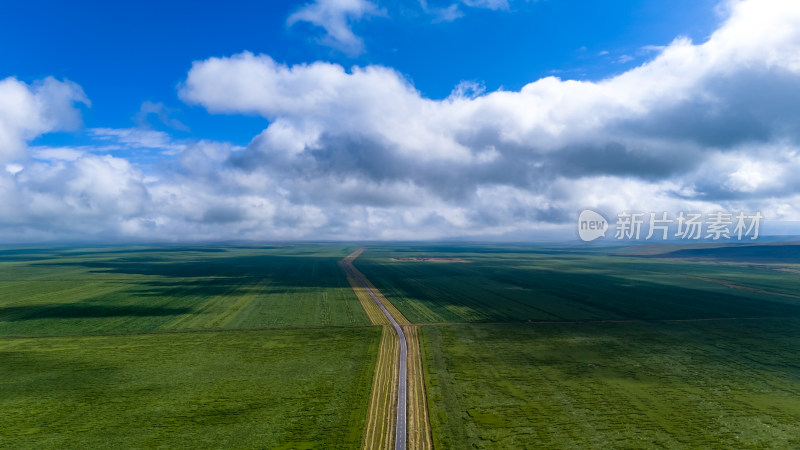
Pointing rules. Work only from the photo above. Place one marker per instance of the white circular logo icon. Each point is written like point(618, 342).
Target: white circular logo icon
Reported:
point(591, 225)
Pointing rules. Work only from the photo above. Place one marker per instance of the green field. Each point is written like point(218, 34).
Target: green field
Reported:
point(520, 284)
point(602, 347)
point(723, 384)
point(139, 347)
point(79, 291)
point(266, 389)
point(522, 346)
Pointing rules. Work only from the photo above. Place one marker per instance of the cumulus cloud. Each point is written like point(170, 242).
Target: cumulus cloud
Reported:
point(360, 153)
point(666, 124)
point(91, 194)
point(336, 18)
point(28, 111)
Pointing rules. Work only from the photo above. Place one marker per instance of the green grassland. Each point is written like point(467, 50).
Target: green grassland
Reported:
point(598, 347)
point(526, 283)
point(182, 347)
point(294, 388)
point(708, 384)
point(527, 346)
point(107, 290)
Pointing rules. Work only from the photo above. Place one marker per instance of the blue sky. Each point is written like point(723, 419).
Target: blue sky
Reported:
point(124, 54)
point(362, 119)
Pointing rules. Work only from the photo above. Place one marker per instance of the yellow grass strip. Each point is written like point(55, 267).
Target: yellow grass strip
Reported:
point(398, 316)
point(380, 425)
point(373, 311)
point(419, 428)
point(379, 429)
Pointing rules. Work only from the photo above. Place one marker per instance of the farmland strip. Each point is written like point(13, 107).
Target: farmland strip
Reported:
point(419, 428)
point(416, 428)
point(373, 311)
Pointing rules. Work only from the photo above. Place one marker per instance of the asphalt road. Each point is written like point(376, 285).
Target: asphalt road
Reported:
point(402, 382)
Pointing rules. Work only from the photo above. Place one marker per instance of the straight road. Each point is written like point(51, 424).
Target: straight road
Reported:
point(402, 382)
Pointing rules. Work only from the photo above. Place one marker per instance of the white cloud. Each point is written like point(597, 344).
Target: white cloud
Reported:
point(28, 111)
point(662, 124)
point(467, 89)
point(56, 153)
point(14, 169)
point(489, 4)
point(136, 138)
point(336, 18)
point(646, 48)
point(446, 14)
point(162, 113)
point(361, 154)
point(309, 101)
point(453, 11)
point(624, 59)
point(87, 195)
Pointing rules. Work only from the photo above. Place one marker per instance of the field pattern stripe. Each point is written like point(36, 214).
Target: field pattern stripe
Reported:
point(419, 436)
point(379, 427)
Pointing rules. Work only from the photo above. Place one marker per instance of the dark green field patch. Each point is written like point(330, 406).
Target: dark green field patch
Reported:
point(72, 291)
point(515, 284)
